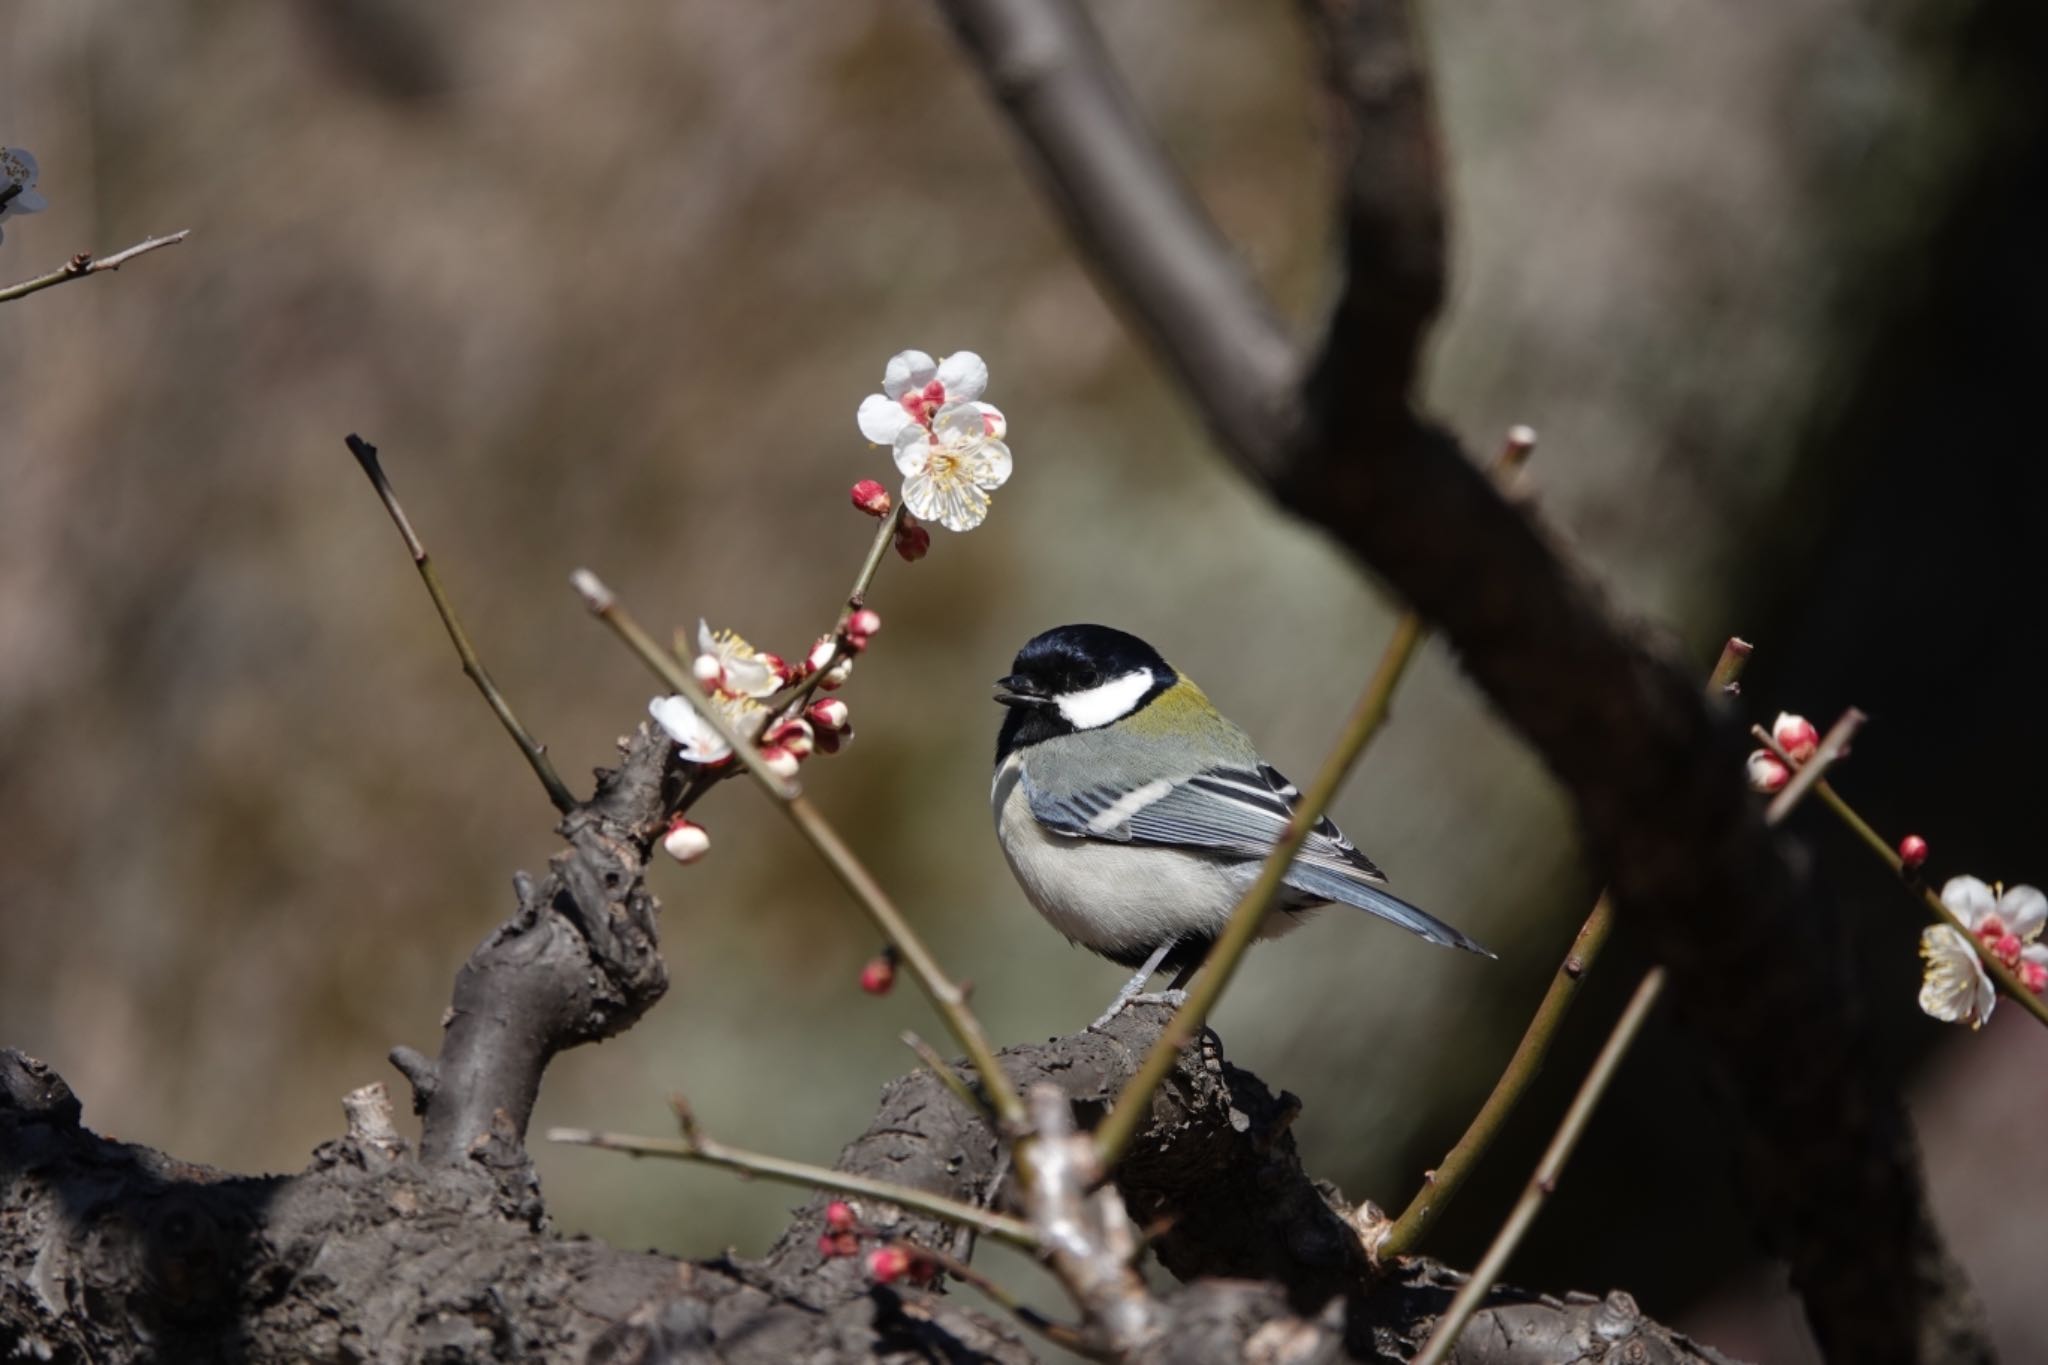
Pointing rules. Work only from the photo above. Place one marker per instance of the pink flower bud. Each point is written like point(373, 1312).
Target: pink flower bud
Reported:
point(784, 674)
point(832, 741)
point(913, 542)
point(2007, 949)
point(836, 676)
point(685, 842)
point(2033, 975)
point(1795, 735)
point(832, 1245)
point(795, 736)
point(873, 499)
point(821, 654)
point(879, 974)
point(1912, 852)
point(779, 760)
point(706, 669)
point(1766, 772)
point(861, 626)
point(829, 715)
point(886, 1265)
point(839, 1216)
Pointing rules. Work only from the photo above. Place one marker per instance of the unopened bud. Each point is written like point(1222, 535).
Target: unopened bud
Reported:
point(873, 499)
point(706, 669)
point(832, 741)
point(822, 653)
point(685, 842)
point(828, 714)
point(886, 1265)
point(913, 542)
point(839, 1216)
point(2033, 975)
point(1912, 852)
point(784, 674)
point(835, 1244)
point(1795, 735)
point(780, 761)
point(879, 974)
point(795, 736)
point(836, 676)
point(861, 627)
point(1767, 772)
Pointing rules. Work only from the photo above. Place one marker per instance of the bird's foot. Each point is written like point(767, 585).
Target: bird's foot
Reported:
point(1174, 998)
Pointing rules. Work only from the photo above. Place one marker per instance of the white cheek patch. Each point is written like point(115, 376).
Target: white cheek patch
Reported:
point(1112, 701)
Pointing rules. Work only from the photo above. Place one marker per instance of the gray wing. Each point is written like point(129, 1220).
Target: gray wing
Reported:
point(1237, 813)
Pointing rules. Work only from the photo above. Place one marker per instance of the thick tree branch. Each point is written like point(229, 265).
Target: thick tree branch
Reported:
point(1834, 1176)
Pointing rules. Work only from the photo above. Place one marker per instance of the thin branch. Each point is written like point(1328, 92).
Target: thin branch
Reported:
point(946, 996)
point(1127, 1116)
point(1551, 1167)
point(948, 1077)
point(694, 1146)
point(1441, 1185)
point(1063, 1335)
point(83, 264)
point(856, 598)
point(1889, 855)
point(1137, 221)
point(536, 753)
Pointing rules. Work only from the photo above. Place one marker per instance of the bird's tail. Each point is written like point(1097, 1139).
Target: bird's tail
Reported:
point(1332, 885)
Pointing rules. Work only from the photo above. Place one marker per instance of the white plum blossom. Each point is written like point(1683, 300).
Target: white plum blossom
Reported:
point(915, 387)
point(742, 670)
point(1956, 989)
point(949, 471)
point(2007, 921)
point(18, 172)
point(695, 738)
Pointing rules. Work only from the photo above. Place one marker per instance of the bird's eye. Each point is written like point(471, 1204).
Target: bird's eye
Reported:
point(1086, 679)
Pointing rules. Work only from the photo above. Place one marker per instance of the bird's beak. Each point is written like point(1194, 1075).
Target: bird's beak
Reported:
point(1018, 690)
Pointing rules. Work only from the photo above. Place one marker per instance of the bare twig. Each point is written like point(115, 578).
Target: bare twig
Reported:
point(1124, 1119)
point(945, 994)
point(1061, 1334)
point(948, 1077)
point(536, 753)
point(856, 598)
point(1889, 855)
point(83, 264)
point(1551, 1167)
point(1441, 1185)
point(694, 1146)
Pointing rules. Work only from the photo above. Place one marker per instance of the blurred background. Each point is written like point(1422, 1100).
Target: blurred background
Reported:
point(606, 284)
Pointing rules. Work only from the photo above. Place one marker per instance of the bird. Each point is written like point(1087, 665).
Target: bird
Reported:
point(1135, 815)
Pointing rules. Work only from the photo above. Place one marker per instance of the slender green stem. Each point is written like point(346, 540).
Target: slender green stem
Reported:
point(1441, 1185)
point(1889, 855)
point(1551, 1167)
point(1127, 1115)
point(536, 752)
point(702, 1149)
point(948, 1077)
point(946, 996)
point(81, 265)
point(856, 598)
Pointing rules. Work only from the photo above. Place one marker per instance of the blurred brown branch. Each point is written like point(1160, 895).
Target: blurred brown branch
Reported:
point(84, 264)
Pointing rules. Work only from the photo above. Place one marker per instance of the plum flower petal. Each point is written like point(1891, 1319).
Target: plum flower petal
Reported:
point(18, 171)
point(696, 740)
point(915, 388)
point(1970, 898)
point(965, 376)
point(1955, 989)
point(2004, 919)
point(908, 370)
point(950, 470)
point(744, 671)
point(880, 418)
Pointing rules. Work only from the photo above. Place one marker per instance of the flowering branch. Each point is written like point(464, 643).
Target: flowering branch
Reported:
point(536, 752)
point(84, 263)
point(1441, 1185)
point(1121, 1124)
point(1573, 1126)
point(2007, 980)
point(946, 996)
point(694, 1146)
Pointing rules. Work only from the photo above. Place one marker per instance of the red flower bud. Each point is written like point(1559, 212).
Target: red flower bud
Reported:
point(839, 1216)
point(913, 542)
point(1767, 772)
point(1912, 852)
point(886, 1265)
point(879, 974)
point(873, 499)
point(685, 842)
point(829, 715)
point(1795, 735)
point(861, 627)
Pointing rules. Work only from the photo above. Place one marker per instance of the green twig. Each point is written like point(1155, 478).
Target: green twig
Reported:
point(1551, 1167)
point(1441, 1185)
point(946, 996)
point(694, 1146)
point(1889, 855)
point(948, 1077)
point(1134, 1102)
point(536, 752)
point(83, 264)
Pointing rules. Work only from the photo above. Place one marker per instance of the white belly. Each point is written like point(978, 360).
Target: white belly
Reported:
point(1120, 898)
